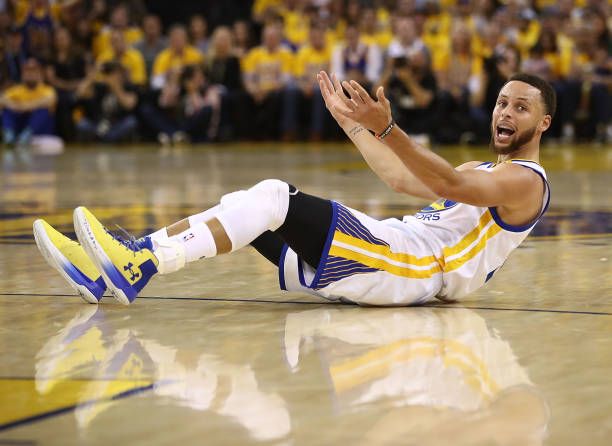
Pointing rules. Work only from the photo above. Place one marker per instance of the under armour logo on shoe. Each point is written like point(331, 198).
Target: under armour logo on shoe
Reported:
point(134, 274)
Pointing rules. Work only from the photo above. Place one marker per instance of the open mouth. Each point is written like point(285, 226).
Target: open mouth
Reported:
point(504, 132)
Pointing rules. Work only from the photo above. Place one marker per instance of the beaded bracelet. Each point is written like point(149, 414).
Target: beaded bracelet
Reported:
point(386, 131)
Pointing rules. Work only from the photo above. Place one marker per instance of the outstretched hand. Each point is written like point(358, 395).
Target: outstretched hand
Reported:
point(359, 107)
point(334, 98)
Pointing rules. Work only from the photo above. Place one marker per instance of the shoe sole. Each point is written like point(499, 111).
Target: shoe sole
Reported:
point(57, 260)
point(96, 253)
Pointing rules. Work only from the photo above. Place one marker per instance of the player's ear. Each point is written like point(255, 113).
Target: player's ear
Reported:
point(545, 123)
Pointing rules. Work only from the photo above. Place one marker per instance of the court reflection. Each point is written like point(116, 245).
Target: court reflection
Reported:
point(425, 376)
point(112, 363)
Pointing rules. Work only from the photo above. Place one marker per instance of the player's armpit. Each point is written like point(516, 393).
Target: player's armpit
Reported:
point(508, 185)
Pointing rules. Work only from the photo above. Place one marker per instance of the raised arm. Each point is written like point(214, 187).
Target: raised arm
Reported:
point(509, 185)
point(385, 164)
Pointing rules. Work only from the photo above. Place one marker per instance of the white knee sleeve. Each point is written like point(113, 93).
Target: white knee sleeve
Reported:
point(232, 198)
point(273, 196)
point(247, 214)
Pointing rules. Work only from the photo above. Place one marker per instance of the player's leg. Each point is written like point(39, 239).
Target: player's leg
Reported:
point(305, 229)
point(128, 265)
point(74, 265)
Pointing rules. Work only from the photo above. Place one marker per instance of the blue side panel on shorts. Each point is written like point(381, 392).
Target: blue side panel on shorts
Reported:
point(331, 268)
point(328, 242)
point(337, 268)
point(348, 224)
point(281, 268)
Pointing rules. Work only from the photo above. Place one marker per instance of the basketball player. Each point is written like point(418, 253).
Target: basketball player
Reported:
point(481, 212)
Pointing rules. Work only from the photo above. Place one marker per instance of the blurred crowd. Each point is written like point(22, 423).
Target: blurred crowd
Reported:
point(109, 71)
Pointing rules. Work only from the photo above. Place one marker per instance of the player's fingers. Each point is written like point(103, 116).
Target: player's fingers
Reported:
point(349, 103)
point(352, 93)
point(381, 97)
point(338, 87)
point(327, 82)
point(324, 91)
point(363, 94)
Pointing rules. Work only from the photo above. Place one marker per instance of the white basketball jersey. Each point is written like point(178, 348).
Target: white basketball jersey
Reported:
point(471, 242)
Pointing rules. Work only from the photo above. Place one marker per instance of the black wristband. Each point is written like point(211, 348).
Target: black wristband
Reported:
point(386, 131)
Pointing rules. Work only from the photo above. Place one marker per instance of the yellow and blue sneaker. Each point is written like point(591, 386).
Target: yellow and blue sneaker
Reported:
point(126, 265)
point(69, 258)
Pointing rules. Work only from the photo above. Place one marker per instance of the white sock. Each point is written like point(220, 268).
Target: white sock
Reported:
point(197, 241)
point(162, 234)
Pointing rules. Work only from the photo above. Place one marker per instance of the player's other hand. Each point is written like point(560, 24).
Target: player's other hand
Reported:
point(334, 98)
point(373, 114)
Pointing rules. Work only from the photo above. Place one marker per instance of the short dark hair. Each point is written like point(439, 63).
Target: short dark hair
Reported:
point(549, 97)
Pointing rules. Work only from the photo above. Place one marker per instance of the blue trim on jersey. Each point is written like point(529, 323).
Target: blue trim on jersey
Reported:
point(522, 228)
point(339, 268)
point(281, 268)
point(348, 224)
point(300, 268)
point(328, 242)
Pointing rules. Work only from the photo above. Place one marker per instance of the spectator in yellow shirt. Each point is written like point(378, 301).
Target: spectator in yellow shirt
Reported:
point(119, 21)
point(268, 79)
point(129, 58)
point(312, 58)
point(295, 22)
point(27, 107)
point(178, 54)
point(371, 34)
point(528, 31)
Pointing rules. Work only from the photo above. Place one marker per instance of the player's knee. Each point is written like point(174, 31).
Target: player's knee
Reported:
point(232, 198)
point(274, 196)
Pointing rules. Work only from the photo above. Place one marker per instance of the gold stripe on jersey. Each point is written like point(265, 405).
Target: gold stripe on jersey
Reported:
point(384, 250)
point(459, 262)
point(383, 265)
point(470, 237)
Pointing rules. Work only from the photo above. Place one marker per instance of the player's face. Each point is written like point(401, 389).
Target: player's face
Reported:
point(516, 117)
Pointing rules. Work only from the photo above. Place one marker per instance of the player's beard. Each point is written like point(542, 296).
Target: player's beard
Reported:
point(519, 140)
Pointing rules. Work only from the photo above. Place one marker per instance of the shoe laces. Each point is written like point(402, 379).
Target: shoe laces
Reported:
point(126, 239)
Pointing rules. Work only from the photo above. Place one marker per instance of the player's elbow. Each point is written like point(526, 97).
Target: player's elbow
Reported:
point(442, 188)
point(447, 185)
point(398, 185)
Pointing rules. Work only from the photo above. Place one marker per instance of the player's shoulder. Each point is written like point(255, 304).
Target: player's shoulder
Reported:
point(470, 165)
point(519, 174)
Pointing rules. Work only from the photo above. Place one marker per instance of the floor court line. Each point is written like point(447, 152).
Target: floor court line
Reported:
point(301, 302)
point(17, 442)
point(67, 409)
point(32, 378)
